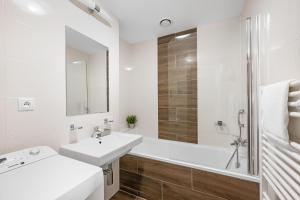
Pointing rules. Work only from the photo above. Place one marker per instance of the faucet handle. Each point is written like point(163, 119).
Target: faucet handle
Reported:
point(97, 132)
point(73, 128)
point(234, 143)
point(244, 142)
point(96, 128)
point(106, 120)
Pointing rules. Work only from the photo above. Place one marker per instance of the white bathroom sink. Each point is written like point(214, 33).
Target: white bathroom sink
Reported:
point(112, 147)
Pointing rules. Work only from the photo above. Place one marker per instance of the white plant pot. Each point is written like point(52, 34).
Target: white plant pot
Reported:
point(131, 126)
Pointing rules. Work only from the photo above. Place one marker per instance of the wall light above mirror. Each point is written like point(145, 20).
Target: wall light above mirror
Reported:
point(87, 67)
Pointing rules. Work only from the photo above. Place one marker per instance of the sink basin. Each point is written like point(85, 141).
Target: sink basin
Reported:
point(111, 147)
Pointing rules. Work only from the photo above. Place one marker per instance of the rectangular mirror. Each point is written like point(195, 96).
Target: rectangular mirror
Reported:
point(86, 75)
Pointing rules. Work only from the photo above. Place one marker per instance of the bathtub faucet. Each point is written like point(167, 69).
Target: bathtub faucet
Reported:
point(237, 143)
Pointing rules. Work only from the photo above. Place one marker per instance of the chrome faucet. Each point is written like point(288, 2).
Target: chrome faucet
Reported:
point(98, 133)
point(101, 132)
point(238, 142)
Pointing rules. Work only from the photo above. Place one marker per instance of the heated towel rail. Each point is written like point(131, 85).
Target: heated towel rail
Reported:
point(281, 161)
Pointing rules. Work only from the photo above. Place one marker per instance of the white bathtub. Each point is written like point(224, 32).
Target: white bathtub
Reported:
point(195, 156)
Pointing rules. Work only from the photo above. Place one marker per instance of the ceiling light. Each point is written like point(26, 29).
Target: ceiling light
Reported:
point(92, 5)
point(165, 22)
point(180, 37)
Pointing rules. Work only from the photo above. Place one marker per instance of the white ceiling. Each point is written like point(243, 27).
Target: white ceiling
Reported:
point(139, 19)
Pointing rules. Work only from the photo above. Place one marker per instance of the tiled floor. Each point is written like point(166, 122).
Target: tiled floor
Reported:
point(125, 196)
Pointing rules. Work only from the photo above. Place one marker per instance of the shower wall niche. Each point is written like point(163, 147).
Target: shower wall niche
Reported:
point(177, 86)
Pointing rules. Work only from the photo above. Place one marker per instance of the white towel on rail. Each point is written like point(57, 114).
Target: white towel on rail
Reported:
point(274, 109)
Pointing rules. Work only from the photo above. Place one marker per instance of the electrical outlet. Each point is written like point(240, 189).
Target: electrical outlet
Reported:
point(26, 104)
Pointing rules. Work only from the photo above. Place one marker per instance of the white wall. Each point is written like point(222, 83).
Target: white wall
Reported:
point(221, 81)
point(138, 87)
point(33, 65)
point(2, 83)
point(125, 62)
point(283, 32)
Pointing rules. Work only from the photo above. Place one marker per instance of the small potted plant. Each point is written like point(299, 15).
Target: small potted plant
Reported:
point(131, 121)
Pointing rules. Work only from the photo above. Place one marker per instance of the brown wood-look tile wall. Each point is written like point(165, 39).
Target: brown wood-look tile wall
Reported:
point(155, 180)
point(177, 87)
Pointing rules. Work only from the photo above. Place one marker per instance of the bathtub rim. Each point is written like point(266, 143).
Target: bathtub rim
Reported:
point(199, 167)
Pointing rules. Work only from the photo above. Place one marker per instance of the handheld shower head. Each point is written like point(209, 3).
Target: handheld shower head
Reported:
point(241, 111)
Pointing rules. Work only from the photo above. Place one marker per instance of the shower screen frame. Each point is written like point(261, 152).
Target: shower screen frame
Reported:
point(253, 80)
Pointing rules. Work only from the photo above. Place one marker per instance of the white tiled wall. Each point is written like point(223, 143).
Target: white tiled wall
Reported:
point(139, 86)
point(33, 65)
point(2, 80)
point(281, 21)
point(221, 81)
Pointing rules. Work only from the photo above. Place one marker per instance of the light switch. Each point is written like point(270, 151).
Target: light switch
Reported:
point(26, 104)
